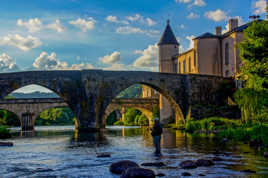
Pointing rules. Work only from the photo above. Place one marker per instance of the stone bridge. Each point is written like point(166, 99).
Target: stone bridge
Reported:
point(27, 110)
point(146, 106)
point(89, 92)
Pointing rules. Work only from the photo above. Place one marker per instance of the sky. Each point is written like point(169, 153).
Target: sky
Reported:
point(105, 34)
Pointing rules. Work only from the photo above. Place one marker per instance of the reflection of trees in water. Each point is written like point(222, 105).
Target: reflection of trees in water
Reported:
point(97, 138)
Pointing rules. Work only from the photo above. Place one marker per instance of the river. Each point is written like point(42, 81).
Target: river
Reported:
point(62, 152)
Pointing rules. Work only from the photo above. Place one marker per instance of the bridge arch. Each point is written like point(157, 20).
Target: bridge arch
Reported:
point(111, 108)
point(156, 86)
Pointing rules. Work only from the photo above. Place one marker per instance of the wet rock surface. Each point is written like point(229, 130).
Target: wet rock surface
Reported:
point(188, 164)
point(160, 174)
point(103, 155)
point(138, 173)
point(121, 166)
point(186, 174)
point(6, 144)
point(204, 163)
point(156, 164)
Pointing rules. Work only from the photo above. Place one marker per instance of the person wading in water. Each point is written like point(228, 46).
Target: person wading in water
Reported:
point(156, 133)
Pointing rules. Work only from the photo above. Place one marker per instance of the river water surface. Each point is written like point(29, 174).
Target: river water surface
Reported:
point(62, 152)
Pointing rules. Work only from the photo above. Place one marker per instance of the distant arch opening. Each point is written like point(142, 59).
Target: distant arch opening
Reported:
point(38, 105)
point(144, 98)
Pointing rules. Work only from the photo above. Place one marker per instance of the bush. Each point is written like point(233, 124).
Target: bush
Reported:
point(143, 120)
point(4, 133)
point(118, 123)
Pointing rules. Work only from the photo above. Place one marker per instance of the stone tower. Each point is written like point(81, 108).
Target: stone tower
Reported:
point(168, 50)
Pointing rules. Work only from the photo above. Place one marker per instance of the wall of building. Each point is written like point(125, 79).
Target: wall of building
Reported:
point(166, 52)
point(189, 60)
point(208, 56)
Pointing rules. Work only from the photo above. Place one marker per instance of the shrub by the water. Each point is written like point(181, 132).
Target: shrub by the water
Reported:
point(4, 132)
point(119, 123)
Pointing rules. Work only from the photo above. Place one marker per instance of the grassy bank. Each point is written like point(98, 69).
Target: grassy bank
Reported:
point(4, 132)
point(227, 128)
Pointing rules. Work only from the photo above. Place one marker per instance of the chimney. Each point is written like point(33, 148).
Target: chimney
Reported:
point(218, 30)
point(233, 23)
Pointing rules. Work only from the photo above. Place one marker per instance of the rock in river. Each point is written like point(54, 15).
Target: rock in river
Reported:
point(138, 173)
point(204, 163)
point(103, 155)
point(120, 166)
point(156, 164)
point(6, 144)
point(188, 164)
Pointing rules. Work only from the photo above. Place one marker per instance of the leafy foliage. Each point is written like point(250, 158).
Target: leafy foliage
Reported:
point(253, 98)
point(4, 132)
point(130, 116)
point(9, 118)
point(56, 116)
point(111, 119)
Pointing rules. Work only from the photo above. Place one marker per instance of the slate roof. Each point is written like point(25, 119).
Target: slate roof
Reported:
point(207, 35)
point(168, 36)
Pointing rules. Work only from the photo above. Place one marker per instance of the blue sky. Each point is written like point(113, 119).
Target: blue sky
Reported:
point(105, 34)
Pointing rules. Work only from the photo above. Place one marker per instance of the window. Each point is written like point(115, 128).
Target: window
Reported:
point(227, 73)
point(190, 64)
point(227, 54)
point(175, 68)
point(195, 62)
point(179, 68)
point(184, 66)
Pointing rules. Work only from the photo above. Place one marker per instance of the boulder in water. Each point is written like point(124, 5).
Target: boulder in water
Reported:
point(188, 164)
point(6, 144)
point(156, 164)
point(136, 172)
point(204, 163)
point(121, 166)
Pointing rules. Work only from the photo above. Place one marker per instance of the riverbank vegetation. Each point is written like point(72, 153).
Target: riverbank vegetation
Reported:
point(252, 99)
point(4, 132)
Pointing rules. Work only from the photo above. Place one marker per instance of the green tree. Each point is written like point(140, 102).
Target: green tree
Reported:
point(130, 116)
point(253, 98)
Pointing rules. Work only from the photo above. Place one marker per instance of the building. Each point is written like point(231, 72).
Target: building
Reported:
point(214, 54)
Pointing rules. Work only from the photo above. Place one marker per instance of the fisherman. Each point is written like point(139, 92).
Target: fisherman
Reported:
point(156, 133)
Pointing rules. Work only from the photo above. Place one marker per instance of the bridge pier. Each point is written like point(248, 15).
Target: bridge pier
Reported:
point(27, 121)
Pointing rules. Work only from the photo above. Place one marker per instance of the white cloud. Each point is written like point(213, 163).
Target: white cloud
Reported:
point(112, 58)
point(116, 67)
point(114, 19)
point(148, 58)
point(195, 2)
point(84, 24)
point(260, 6)
point(181, 26)
point(199, 3)
point(240, 22)
point(148, 21)
point(32, 25)
point(183, 1)
point(190, 38)
point(217, 15)
point(23, 43)
point(192, 16)
point(7, 64)
point(133, 30)
point(56, 26)
point(81, 66)
point(49, 62)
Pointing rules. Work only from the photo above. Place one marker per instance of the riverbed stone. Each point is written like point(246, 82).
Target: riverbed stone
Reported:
point(248, 171)
point(121, 166)
point(188, 164)
point(186, 174)
point(156, 164)
point(6, 144)
point(160, 174)
point(217, 159)
point(136, 172)
point(103, 155)
point(204, 163)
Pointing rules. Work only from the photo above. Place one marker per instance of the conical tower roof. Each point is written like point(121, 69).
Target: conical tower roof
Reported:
point(168, 36)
